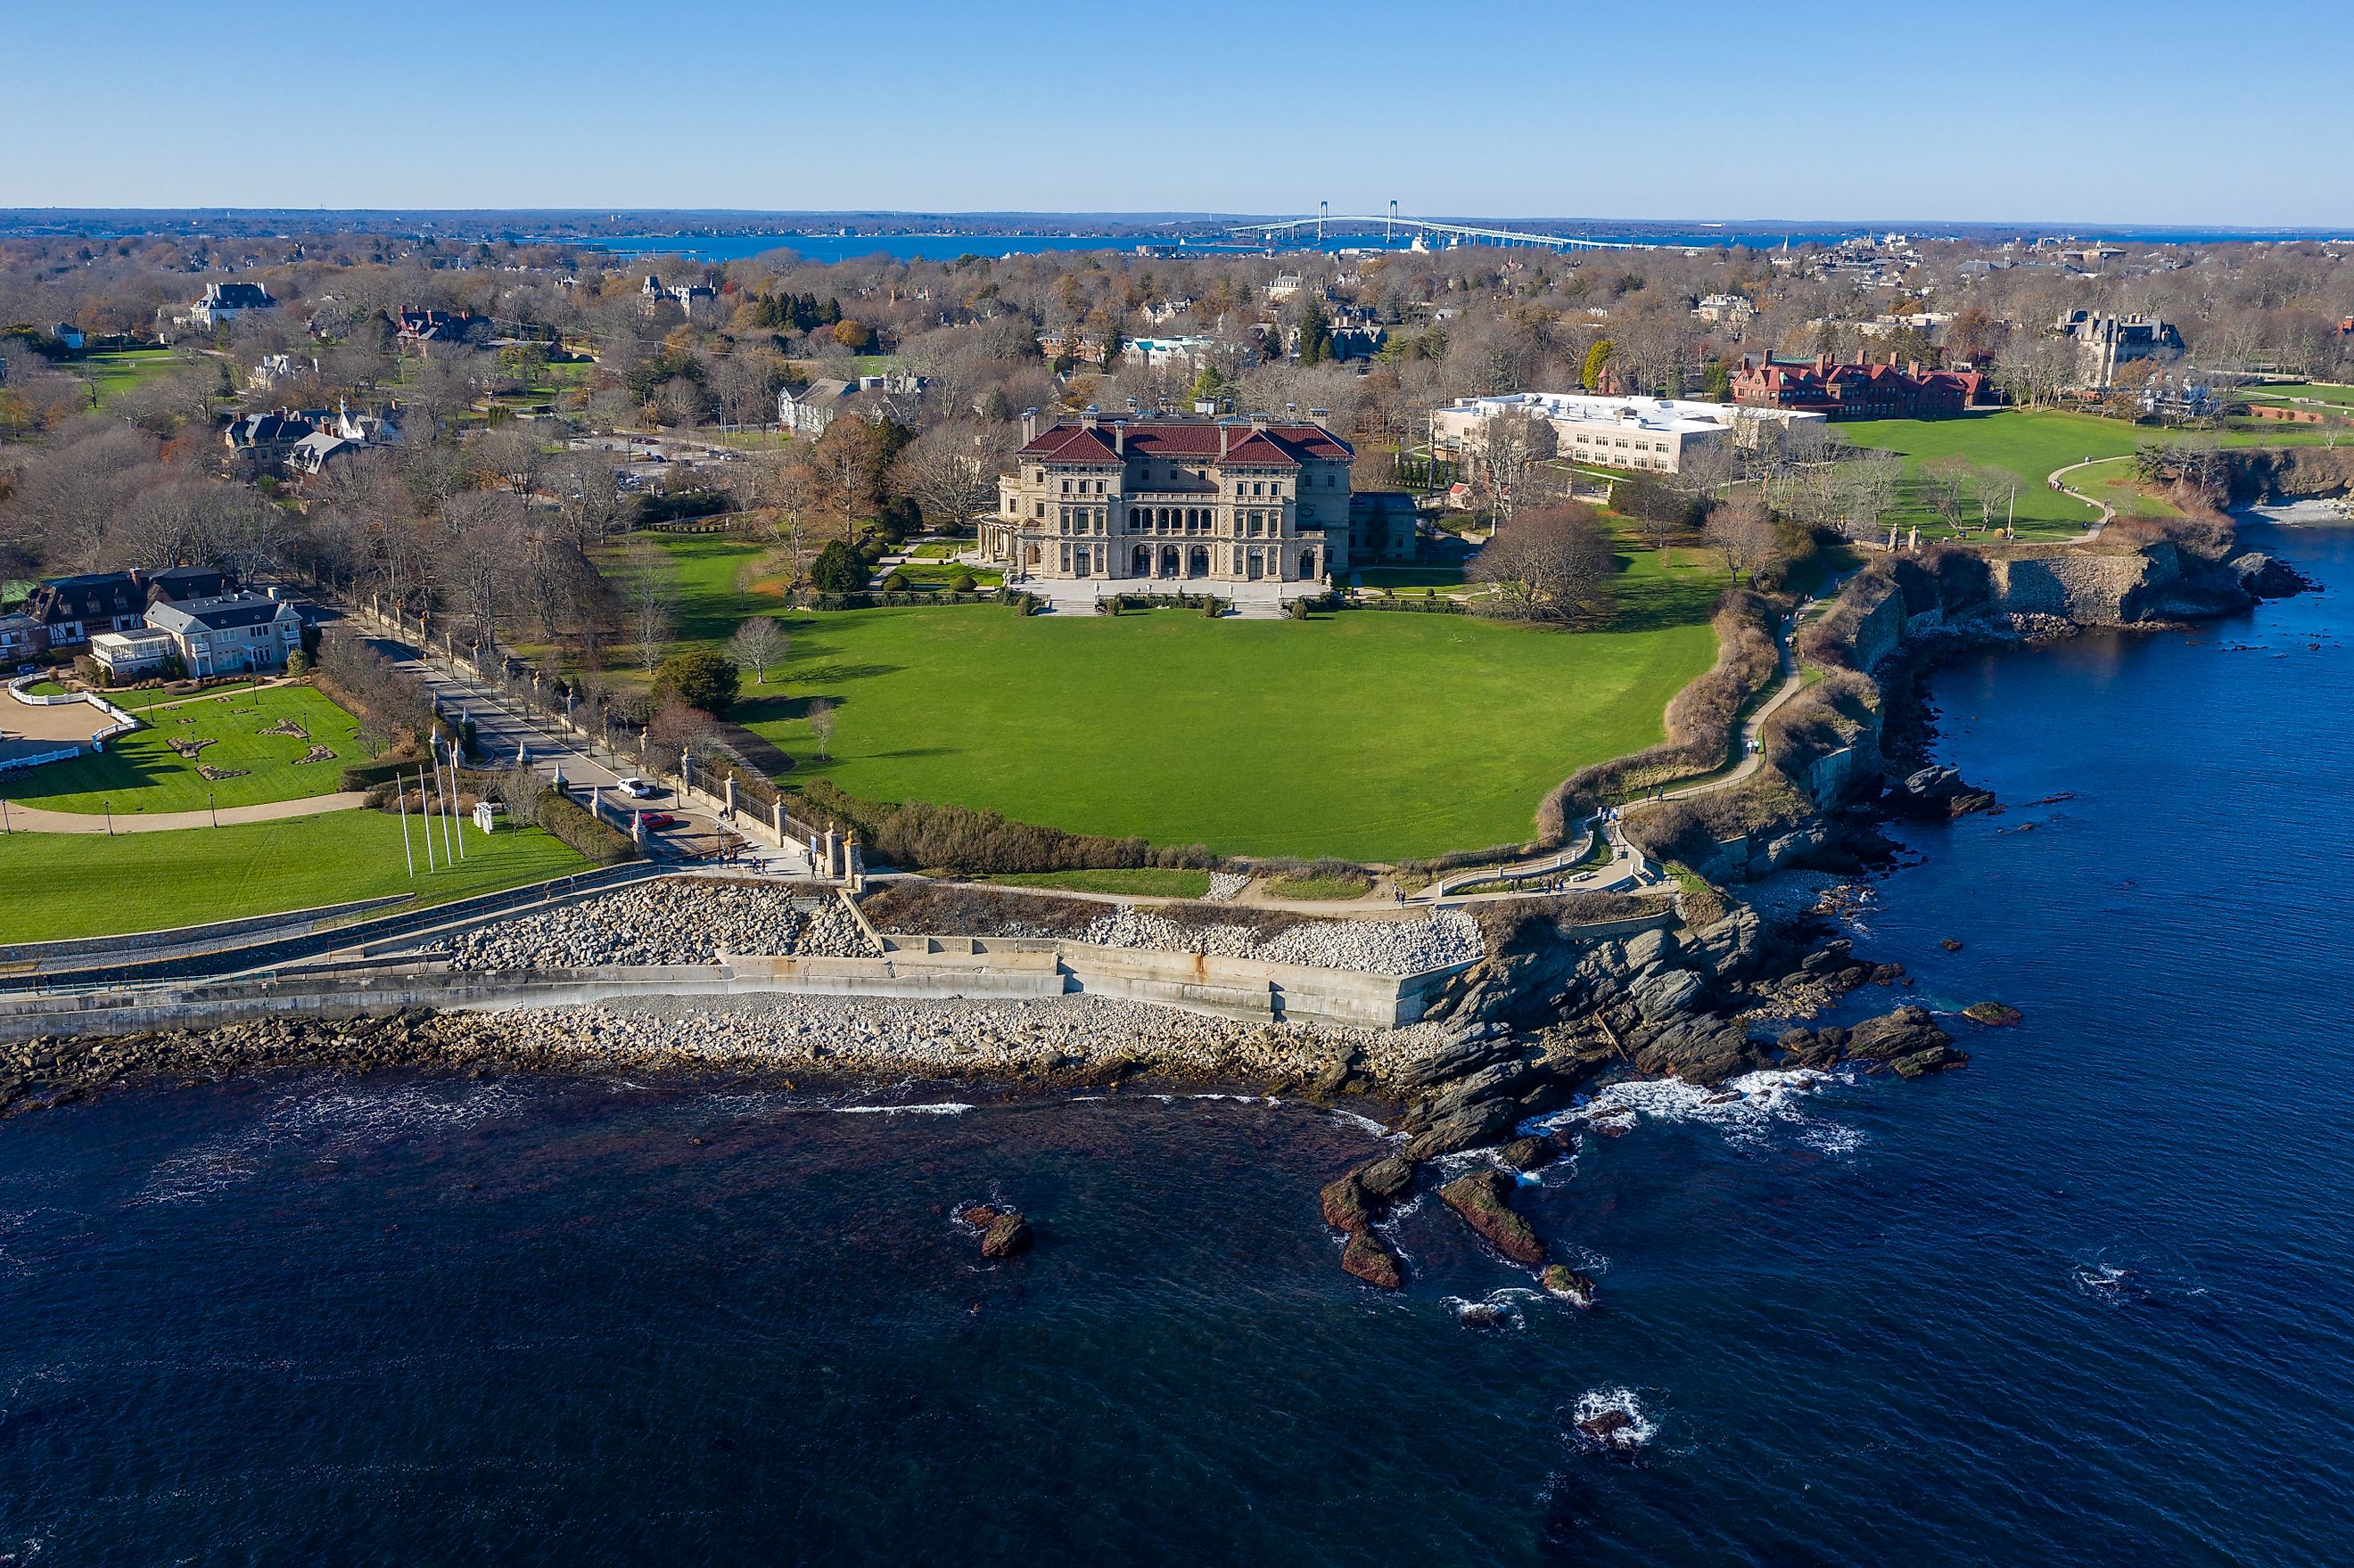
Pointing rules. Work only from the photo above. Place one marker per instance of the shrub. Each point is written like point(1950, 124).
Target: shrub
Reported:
point(963, 582)
point(921, 835)
point(570, 821)
point(698, 679)
point(897, 582)
point(837, 570)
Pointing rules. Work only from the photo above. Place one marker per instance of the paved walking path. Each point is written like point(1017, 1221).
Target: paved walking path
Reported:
point(2058, 481)
point(33, 820)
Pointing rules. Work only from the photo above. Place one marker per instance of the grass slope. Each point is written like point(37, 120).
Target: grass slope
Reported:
point(141, 772)
point(53, 885)
point(1370, 736)
point(2030, 443)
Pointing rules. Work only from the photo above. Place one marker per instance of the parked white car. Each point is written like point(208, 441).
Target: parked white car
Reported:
point(636, 788)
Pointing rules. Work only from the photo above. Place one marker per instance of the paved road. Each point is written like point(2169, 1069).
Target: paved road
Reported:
point(502, 727)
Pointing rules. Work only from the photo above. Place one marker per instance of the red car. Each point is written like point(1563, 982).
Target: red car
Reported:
point(656, 821)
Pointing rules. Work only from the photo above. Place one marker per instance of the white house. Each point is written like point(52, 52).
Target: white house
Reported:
point(230, 632)
point(133, 655)
point(1652, 433)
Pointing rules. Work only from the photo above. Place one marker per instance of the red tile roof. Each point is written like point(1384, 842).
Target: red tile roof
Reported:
point(1285, 445)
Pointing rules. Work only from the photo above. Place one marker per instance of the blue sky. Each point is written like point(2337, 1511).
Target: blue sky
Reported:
point(2083, 111)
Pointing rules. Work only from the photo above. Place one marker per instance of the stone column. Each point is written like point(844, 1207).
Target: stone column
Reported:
point(730, 788)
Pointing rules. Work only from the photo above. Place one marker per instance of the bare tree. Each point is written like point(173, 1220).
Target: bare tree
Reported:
point(950, 472)
point(1552, 566)
point(760, 643)
point(1505, 448)
point(821, 723)
point(648, 599)
point(1741, 529)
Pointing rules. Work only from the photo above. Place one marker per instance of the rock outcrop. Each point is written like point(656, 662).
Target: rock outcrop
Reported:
point(1369, 1258)
point(1483, 1199)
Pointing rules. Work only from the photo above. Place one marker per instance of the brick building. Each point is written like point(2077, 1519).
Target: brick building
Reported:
point(1862, 389)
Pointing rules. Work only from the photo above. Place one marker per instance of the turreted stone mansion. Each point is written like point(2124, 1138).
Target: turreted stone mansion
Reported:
point(1225, 501)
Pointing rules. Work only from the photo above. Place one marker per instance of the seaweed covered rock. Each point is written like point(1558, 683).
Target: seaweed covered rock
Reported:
point(1369, 1258)
point(1483, 1201)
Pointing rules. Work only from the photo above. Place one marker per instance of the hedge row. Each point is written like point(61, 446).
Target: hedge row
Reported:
point(593, 836)
point(876, 600)
point(919, 835)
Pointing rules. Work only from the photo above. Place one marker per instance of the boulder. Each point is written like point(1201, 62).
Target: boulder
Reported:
point(1386, 1180)
point(1482, 1315)
point(2267, 576)
point(1566, 1284)
point(1474, 1128)
point(1454, 1061)
point(1906, 1032)
point(1493, 1082)
point(1530, 1153)
point(1936, 1059)
point(1007, 1234)
point(1369, 1258)
point(1345, 1208)
point(1828, 958)
point(1604, 1426)
point(1994, 1014)
point(1483, 1199)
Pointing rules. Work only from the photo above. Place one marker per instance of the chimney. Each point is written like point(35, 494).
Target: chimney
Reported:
point(1119, 438)
point(1258, 422)
point(1224, 430)
point(1087, 417)
point(1029, 426)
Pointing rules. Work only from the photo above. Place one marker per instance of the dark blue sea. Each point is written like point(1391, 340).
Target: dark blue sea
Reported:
point(2089, 1300)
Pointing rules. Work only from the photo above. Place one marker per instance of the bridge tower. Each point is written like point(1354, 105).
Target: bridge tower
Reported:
point(1323, 211)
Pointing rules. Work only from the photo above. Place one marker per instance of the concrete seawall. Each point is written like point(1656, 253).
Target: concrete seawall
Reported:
point(915, 969)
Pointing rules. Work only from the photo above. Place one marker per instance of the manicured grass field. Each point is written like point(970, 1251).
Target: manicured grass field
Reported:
point(55, 886)
point(2029, 443)
point(141, 772)
point(1145, 882)
point(939, 574)
point(111, 375)
point(2304, 391)
point(1366, 735)
point(149, 696)
point(2112, 480)
point(721, 584)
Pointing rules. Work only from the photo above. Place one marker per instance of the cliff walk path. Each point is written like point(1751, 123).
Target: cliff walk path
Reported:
point(2058, 479)
point(33, 820)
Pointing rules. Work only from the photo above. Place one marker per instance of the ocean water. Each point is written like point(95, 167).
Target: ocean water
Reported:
point(836, 247)
point(2088, 1301)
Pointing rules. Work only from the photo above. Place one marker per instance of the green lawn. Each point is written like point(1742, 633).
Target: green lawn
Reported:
point(141, 772)
point(939, 574)
point(1365, 735)
point(2030, 443)
point(1147, 882)
point(148, 697)
point(933, 552)
point(55, 886)
point(2304, 391)
point(111, 375)
point(2112, 480)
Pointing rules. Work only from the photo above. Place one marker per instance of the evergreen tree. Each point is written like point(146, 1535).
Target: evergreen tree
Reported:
point(1315, 333)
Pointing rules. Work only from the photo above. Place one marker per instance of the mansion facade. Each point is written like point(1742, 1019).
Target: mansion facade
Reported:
point(1188, 501)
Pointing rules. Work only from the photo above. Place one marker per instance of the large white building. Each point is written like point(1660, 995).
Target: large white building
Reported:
point(1617, 432)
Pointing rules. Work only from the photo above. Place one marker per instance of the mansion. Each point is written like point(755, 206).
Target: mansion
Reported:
point(1189, 501)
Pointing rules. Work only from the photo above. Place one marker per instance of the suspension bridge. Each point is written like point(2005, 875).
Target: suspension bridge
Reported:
point(1394, 223)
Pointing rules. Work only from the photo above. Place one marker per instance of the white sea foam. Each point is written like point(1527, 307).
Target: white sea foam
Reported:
point(1748, 1110)
point(1504, 1302)
point(1599, 1401)
point(936, 1108)
point(1365, 1123)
